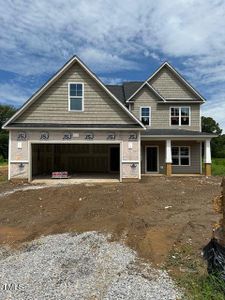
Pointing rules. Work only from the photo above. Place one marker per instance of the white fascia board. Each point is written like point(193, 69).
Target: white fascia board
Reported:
point(184, 101)
point(143, 84)
point(110, 94)
point(58, 75)
point(40, 91)
point(140, 88)
point(160, 96)
point(179, 76)
point(146, 81)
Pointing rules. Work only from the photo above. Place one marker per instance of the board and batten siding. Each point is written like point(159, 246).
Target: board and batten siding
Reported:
point(52, 105)
point(160, 112)
point(170, 86)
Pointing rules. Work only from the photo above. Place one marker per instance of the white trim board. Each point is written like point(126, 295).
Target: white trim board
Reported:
point(69, 97)
point(149, 116)
point(188, 85)
point(151, 88)
point(179, 156)
point(179, 107)
point(73, 60)
point(9, 157)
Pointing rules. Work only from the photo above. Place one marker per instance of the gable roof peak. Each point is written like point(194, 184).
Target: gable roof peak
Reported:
point(56, 76)
point(177, 74)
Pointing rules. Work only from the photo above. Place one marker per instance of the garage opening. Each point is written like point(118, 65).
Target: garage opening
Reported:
point(79, 160)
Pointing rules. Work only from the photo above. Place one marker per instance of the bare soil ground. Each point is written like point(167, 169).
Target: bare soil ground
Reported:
point(151, 216)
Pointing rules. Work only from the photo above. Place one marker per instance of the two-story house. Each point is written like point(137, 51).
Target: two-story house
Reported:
point(75, 123)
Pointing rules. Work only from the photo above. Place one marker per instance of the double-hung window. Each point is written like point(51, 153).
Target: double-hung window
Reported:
point(145, 115)
point(76, 96)
point(181, 156)
point(180, 115)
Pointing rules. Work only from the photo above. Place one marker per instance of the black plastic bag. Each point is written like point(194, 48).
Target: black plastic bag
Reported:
point(214, 253)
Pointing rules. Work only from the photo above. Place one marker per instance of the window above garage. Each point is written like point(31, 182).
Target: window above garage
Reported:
point(76, 96)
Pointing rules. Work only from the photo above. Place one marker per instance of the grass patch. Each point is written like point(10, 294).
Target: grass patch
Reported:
point(218, 166)
point(189, 271)
point(206, 287)
point(3, 170)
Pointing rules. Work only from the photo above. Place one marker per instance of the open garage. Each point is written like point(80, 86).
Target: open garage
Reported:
point(76, 159)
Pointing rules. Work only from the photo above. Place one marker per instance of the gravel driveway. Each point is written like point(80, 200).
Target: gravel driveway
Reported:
point(83, 266)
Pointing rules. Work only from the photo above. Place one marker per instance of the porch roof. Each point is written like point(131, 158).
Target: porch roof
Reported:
point(176, 133)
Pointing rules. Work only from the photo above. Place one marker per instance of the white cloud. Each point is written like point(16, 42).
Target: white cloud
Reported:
point(14, 94)
point(38, 36)
point(112, 80)
point(215, 108)
point(106, 62)
point(45, 33)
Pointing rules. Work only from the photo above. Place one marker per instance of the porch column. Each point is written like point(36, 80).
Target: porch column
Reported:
point(168, 158)
point(207, 158)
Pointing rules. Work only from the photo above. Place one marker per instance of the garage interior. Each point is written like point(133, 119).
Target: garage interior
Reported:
point(77, 159)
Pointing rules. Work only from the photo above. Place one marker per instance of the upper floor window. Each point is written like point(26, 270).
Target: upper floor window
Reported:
point(145, 115)
point(180, 115)
point(76, 96)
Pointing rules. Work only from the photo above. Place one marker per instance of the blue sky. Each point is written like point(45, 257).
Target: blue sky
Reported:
point(119, 40)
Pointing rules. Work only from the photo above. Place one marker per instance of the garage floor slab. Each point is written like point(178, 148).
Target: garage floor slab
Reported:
point(78, 179)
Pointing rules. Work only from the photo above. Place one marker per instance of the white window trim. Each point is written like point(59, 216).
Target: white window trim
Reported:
point(69, 97)
point(189, 107)
point(179, 156)
point(150, 114)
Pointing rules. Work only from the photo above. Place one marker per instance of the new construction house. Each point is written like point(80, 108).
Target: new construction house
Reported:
point(77, 124)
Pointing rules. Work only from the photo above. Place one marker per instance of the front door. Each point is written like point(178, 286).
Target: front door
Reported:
point(151, 157)
point(114, 159)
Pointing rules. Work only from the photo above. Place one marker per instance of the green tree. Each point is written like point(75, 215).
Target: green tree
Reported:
point(218, 143)
point(6, 111)
point(211, 126)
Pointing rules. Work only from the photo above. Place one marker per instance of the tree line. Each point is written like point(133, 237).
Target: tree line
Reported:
point(208, 125)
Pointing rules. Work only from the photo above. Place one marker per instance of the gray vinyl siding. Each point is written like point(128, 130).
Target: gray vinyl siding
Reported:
point(195, 167)
point(52, 105)
point(195, 161)
point(170, 86)
point(160, 112)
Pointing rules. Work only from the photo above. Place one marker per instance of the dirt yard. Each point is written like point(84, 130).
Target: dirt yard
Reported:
point(151, 216)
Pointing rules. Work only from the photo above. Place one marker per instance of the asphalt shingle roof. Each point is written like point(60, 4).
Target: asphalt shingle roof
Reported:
point(125, 90)
point(59, 125)
point(130, 88)
point(117, 91)
point(174, 132)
